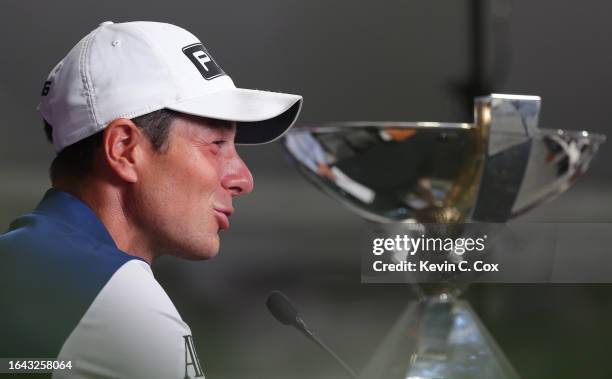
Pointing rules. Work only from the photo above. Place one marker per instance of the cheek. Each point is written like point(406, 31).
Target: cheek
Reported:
point(189, 186)
point(198, 177)
point(179, 184)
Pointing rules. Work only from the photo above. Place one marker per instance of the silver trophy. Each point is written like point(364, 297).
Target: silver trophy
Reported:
point(417, 178)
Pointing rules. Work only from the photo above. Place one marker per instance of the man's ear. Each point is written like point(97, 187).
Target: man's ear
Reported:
point(122, 144)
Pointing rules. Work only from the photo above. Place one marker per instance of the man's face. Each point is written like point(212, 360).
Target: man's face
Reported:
point(183, 197)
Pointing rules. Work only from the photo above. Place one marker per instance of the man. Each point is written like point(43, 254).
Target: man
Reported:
point(144, 122)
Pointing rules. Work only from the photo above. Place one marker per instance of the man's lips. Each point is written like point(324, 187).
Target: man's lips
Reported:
point(222, 215)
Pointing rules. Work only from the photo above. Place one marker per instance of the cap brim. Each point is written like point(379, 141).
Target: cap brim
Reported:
point(260, 116)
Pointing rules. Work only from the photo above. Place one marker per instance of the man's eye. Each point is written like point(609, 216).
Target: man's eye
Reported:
point(217, 145)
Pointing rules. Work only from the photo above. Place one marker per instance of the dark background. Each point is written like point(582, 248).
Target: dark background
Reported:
point(391, 60)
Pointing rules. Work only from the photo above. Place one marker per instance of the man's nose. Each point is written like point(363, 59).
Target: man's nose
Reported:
point(238, 180)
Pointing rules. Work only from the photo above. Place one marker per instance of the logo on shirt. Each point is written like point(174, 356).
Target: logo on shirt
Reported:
point(203, 61)
point(191, 359)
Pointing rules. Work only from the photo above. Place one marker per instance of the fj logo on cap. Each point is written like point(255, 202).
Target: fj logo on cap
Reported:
point(207, 66)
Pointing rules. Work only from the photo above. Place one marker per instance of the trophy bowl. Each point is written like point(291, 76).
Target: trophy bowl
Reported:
point(435, 178)
point(491, 170)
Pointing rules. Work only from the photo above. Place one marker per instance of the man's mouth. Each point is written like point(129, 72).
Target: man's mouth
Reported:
point(222, 216)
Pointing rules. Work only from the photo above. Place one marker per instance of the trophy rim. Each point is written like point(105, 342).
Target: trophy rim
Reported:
point(336, 126)
point(331, 126)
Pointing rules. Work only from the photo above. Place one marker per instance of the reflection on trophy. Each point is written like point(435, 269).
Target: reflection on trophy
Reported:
point(430, 178)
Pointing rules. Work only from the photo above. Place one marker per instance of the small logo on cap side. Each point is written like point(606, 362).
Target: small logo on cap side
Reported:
point(207, 66)
point(46, 88)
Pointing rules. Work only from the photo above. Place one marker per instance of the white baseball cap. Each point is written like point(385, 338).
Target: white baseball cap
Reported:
point(126, 70)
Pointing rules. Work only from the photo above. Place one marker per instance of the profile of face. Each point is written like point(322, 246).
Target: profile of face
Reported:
point(183, 196)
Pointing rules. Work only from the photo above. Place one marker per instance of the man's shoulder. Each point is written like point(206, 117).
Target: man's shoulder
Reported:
point(50, 273)
point(36, 235)
point(134, 289)
point(132, 329)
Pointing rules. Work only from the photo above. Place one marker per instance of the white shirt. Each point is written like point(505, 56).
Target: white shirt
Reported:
point(131, 330)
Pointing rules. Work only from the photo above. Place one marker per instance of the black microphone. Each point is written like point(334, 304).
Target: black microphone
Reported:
point(283, 310)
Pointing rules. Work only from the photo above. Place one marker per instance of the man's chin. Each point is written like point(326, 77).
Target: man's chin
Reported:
point(200, 255)
point(194, 257)
point(194, 253)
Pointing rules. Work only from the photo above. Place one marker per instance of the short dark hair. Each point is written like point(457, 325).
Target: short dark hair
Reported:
point(76, 161)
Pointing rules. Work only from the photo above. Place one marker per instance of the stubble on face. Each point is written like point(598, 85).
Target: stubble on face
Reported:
point(173, 203)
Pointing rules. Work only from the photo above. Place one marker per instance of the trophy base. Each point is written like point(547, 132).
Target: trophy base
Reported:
point(438, 339)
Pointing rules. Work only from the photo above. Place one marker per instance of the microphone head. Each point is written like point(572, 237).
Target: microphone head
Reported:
point(281, 308)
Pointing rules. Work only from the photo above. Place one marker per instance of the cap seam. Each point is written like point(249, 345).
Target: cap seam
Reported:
point(139, 112)
point(82, 74)
point(85, 79)
point(94, 107)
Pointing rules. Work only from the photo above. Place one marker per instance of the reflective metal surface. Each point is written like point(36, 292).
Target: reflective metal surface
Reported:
point(491, 170)
point(557, 159)
point(392, 172)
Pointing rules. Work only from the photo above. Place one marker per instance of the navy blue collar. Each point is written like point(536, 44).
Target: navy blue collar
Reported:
point(72, 211)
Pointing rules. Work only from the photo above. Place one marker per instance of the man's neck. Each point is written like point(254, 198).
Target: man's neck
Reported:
point(108, 203)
